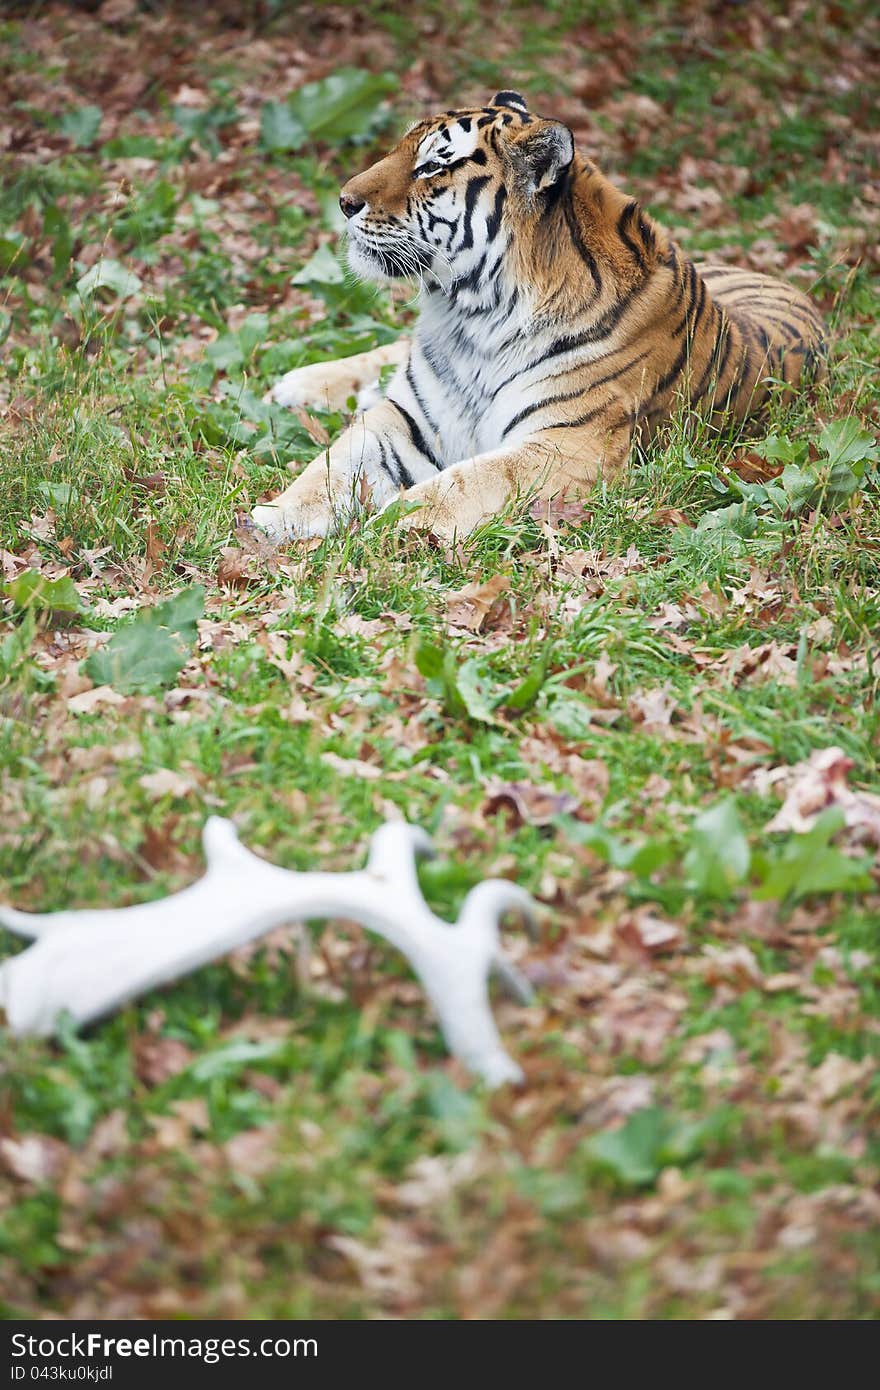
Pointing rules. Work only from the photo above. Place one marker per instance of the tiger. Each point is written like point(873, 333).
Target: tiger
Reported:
point(558, 324)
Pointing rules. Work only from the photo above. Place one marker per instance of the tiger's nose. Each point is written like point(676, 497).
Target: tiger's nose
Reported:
point(350, 204)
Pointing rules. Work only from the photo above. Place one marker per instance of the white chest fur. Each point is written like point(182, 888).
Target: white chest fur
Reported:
point(470, 373)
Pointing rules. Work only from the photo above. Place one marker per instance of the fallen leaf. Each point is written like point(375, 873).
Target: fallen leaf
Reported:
point(352, 767)
point(819, 783)
point(33, 1158)
point(652, 708)
point(165, 782)
point(527, 804)
point(477, 605)
point(88, 700)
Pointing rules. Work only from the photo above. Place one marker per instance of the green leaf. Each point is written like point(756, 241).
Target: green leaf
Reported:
point(108, 275)
point(150, 651)
point(778, 448)
point(59, 494)
point(719, 856)
point(81, 125)
point(34, 591)
point(651, 1139)
point(228, 1059)
point(798, 484)
point(811, 864)
point(524, 695)
point(739, 519)
point(280, 129)
point(236, 349)
point(14, 249)
point(571, 717)
point(845, 442)
point(477, 691)
point(343, 106)
point(439, 667)
point(323, 269)
point(633, 1152)
point(57, 227)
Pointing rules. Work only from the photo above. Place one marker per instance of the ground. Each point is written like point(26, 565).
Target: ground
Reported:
point(630, 706)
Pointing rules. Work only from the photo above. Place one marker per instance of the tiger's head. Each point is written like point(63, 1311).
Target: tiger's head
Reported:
point(443, 202)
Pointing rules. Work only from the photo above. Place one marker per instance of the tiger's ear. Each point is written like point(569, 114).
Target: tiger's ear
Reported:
point(541, 155)
point(512, 100)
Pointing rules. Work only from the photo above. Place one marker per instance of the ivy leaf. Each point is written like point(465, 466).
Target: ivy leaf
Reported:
point(33, 591)
point(150, 650)
point(719, 856)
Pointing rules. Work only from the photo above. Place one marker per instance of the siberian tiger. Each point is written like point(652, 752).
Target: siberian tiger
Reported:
point(557, 322)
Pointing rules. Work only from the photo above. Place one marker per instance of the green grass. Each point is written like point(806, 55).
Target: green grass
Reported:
point(276, 1138)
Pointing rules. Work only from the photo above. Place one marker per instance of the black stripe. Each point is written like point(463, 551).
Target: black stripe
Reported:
point(602, 328)
point(722, 333)
point(469, 281)
point(584, 390)
point(675, 370)
point(383, 460)
point(416, 435)
point(417, 396)
point(404, 477)
point(623, 222)
point(577, 239)
point(474, 189)
point(493, 221)
point(579, 420)
point(528, 410)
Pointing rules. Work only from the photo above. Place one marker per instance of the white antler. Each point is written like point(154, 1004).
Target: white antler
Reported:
point(88, 963)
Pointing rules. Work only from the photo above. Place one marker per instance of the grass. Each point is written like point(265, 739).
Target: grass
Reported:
point(270, 1138)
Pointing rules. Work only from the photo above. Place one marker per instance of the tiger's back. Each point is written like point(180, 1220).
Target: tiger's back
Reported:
point(558, 323)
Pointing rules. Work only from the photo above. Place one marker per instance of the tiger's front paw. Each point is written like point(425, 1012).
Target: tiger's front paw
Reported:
point(310, 385)
point(280, 524)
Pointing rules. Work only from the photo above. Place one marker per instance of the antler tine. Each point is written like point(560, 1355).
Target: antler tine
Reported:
point(394, 849)
point(484, 906)
point(29, 924)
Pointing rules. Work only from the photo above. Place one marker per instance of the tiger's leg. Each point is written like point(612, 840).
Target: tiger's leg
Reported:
point(329, 385)
point(377, 456)
point(460, 498)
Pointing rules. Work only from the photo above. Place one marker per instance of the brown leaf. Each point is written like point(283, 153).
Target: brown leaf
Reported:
point(527, 804)
point(87, 700)
point(670, 516)
point(752, 468)
point(165, 782)
point(236, 568)
point(253, 1152)
point(157, 1059)
point(478, 605)
point(819, 783)
point(649, 933)
point(312, 427)
point(37, 1159)
point(652, 708)
point(155, 549)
